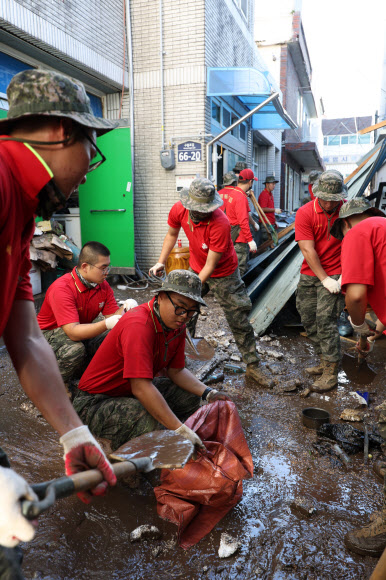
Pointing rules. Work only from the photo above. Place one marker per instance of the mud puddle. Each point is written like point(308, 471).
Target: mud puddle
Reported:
point(75, 541)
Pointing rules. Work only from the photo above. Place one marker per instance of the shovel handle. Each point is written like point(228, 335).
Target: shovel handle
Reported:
point(50, 491)
point(362, 346)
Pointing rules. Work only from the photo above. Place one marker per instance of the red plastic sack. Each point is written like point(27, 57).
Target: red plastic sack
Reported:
point(199, 495)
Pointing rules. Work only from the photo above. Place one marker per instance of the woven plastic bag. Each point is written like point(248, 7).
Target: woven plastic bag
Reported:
point(199, 495)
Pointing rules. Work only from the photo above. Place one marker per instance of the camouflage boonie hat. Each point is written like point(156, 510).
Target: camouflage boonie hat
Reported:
point(201, 196)
point(270, 179)
point(355, 206)
point(49, 93)
point(183, 282)
point(313, 176)
point(230, 178)
point(329, 186)
point(240, 165)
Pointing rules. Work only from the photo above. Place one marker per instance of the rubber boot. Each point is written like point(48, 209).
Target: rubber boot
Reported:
point(316, 370)
point(253, 372)
point(329, 378)
point(371, 539)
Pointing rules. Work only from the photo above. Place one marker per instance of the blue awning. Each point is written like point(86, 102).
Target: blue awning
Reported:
point(251, 87)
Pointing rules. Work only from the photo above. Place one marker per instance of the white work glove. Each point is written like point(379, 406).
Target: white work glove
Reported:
point(111, 321)
point(82, 452)
point(129, 304)
point(363, 328)
point(184, 431)
point(157, 269)
point(214, 395)
point(14, 527)
point(277, 210)
point(256, 226)
point(331, 285)
point(252, 246)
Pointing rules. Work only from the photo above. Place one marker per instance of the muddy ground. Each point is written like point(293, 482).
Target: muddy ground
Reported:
point(75, 541)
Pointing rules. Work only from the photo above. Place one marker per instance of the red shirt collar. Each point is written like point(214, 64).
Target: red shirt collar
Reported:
point(31, 171)
point(241, 190)
point(78, 284)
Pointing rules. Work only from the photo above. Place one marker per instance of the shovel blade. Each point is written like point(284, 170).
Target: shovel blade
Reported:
point(166, 449)
point(359, 373)
point(204, 351)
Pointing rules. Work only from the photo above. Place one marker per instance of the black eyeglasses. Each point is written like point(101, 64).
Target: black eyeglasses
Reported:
point(103, 269)
point(180, 311)
point(95, 164)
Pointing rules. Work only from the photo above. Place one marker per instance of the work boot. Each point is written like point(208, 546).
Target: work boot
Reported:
point(371, 539)
point(329, 378)
point(315, 371)
point(253, 372)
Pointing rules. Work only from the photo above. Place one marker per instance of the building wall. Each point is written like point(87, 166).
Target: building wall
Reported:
point(87, 32)
point(184, 106)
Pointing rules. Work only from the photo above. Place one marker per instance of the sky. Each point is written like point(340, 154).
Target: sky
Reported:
point(345, 40)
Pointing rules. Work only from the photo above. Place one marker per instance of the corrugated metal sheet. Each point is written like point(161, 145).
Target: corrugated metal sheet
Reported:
point(30, 27)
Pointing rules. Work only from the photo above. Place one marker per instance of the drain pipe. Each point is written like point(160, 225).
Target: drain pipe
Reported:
point(131, 90)
point(162, 74)
point(230, 128)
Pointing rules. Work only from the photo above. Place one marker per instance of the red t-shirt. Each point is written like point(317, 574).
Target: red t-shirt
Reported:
point(364, 261)
point(311, 224)
point(133, 349)
point(266, 200)
point(22, 176)
point(68, 300)
point(310, 191)
point(238, 214)
point(224, 194)
point(214, 235)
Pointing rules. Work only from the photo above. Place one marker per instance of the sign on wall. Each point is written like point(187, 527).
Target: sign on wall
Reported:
point(189, 151)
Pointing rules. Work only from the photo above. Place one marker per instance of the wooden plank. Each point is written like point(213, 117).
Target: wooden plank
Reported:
point(361, 165)
point(372, 128)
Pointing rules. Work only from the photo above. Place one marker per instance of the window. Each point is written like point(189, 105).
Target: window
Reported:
point(243, 132)
point(216, 112)
point(226, 117)
point(362, 139)
point(325, 140)
point(334, 140)
point(344, 140)
point(235, 131)
point(352, 139)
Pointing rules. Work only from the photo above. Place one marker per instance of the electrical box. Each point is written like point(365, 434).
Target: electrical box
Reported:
point(167, 158)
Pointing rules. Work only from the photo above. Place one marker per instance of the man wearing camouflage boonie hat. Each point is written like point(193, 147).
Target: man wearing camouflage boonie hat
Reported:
point(319, 300)
point(47, 143)
point(312, 178)
point(267, 204)
point(213, 258)
point(230, 180)
point(239, 166)
point(120, 396)
point(363, 231)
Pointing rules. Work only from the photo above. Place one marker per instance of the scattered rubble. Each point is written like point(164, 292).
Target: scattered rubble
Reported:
point(351, 415)
point(266, 338)
point(145, 532)
point(228, 546)
point(236, 357)
point(305, 506)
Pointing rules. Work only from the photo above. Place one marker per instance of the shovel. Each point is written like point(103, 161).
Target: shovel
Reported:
point(357, 369)
point(198, 348)
point(154, 450)
point(265, 220)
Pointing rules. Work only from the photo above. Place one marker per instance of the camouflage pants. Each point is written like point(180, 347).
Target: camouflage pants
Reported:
point(319, 311)
point(120, 419)
point(72, 356)
point(232, 296)
point(242, 251)
point(10, 558)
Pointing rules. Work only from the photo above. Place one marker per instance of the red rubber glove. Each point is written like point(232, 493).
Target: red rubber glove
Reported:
point(82, 452)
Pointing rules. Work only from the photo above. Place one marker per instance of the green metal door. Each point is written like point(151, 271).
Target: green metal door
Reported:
point(106, 201)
